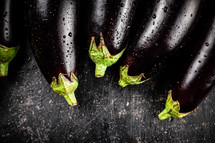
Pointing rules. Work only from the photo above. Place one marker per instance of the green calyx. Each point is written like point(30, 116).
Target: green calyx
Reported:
point(65, 87)
point(101, 56)
point(7, 54)
point(125, 79)
point(172, 109)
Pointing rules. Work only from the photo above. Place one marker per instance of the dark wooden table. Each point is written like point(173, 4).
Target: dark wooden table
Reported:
point(31, 112)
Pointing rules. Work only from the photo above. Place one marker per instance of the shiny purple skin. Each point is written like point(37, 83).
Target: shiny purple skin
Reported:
point(114, 19)
point(53, 28)
point(167, 28)
point(198, 75)
point(11, 20)
point(97, 15)
point(119, 24)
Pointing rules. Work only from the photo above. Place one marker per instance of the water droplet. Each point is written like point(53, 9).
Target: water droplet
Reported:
point(34, 67)
point(165, 9)
point(154, 16)
point(122, 5)
point(64, 36)
point(207, 44)
point(28, 58)
point(5, 14)
point(70, 34)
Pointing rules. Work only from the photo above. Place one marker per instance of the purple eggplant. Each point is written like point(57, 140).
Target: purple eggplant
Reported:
point(168, 27)
point(53, 34)
point(109, 23)
point(10, 32)
point(197, 78)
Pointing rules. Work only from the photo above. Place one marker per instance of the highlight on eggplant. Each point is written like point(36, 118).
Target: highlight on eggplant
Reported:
point(111, 20)
point(197, 78)
point(168, 27)
point(53, 34)
point(10, 32)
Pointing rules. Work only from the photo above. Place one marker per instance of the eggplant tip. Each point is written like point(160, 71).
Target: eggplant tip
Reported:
point(66, 87)
point(172, 109)
point(125, 79)
point(7, 54)
point(101, 56)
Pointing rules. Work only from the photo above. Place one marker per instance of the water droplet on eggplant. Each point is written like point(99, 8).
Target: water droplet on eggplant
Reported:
point(207, 44)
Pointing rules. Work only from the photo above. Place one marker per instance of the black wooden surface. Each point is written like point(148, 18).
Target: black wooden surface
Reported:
point(31, 112)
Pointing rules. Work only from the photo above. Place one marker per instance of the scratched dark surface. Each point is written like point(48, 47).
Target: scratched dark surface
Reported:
point(31, 112)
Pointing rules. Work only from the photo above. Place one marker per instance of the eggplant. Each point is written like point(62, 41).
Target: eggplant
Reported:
point(164, 33)
point(10, 32)
point(196, 80)
point(53, 35)
point(111, 21)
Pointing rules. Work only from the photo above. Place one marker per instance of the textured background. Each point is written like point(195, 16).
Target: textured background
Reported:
point(31, 112)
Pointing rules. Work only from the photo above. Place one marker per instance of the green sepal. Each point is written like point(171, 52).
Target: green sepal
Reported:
point(125, 79)
point(65, 87)
point(7, 54)
point(101, 56)
point(172, 109)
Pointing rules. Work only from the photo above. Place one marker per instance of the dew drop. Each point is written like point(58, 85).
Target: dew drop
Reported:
point(64, 36)
point(165, 9)
point(5, 14)
point(154, 16)
point(207, 44)
point(122, 5)
point(70, 34)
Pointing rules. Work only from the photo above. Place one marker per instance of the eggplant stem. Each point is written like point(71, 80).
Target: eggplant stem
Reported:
point(66, 87)
point(125, 79)
point(4, 69)
point(172, 109)
point(100, 70)
point(101, 56)
point(7, 54)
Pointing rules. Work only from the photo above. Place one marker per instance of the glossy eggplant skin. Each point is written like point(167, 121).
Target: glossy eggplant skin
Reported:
point(53, 34)
point(111, 22)
point(197, 78)
point(11, 27)
point(98, 11)
point(118, 25)
point(10, 22)
point(136, 65)
point(162, 36)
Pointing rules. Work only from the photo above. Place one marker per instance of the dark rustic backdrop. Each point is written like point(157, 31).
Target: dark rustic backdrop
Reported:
point(31, 112)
